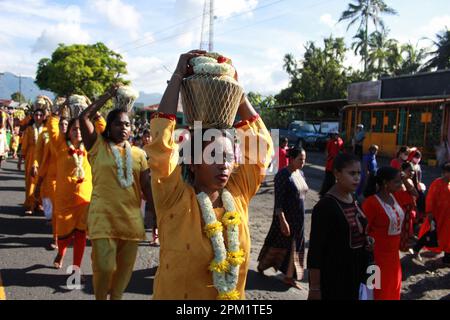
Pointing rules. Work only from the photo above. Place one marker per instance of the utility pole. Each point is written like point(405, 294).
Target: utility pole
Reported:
point(211, 25)
point(207, 33)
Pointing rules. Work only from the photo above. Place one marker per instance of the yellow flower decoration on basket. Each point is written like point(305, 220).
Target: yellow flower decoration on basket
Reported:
point(230, 295)
point(236, 258)
point(213, 228)
point(231, 218)
point(219, 267)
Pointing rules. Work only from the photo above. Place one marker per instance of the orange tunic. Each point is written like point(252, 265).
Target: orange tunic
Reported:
point(438, 203)
point(186, 252)
point(386, 229)
point(29, 141)
point(72, 198)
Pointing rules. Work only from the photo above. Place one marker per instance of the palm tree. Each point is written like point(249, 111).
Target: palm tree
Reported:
point(364, 11)
point(384, 55)
point(358, 43)
point(413, 58)
point(441, 57)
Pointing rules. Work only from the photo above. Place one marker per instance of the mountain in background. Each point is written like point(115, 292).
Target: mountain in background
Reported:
point(9, 84)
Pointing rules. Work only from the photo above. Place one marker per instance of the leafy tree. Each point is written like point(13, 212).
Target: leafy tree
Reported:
point(384, 56)
point(412, 59)
point(80, 69)
point(363, 12)
point(321, 74)
point(441, 56)
point(18, 97)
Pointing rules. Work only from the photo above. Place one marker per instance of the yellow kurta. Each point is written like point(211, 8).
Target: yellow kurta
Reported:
point(186, 252)
point(29, 142)
point(46, 166)
point(45, 159)
point(72, 198)
point(115, 212)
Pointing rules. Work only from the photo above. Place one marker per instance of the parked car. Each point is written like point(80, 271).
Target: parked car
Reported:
point(304, 134)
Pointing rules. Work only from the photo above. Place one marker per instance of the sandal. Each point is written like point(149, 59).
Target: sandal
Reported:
point(155, 241)
point(292, 283)
point(57, 263)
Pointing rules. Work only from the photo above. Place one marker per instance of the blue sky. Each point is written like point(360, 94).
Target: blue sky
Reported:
point(151, 34)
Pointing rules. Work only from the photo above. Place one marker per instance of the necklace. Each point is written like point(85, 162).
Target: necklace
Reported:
point(225, 265)
point(124, 181)
point(77, 155)
point(37, 132)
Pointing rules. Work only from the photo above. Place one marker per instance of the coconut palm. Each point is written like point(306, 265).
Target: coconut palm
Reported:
point(441, 57)
point(364, 12)
point(384, 55)
point(413, 58)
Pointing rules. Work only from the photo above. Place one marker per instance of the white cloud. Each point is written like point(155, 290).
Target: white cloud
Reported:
point(436, 25)
point(120, 15)
point(327, 20)
point(230, 7)
point(146, 73)
point(67, 33)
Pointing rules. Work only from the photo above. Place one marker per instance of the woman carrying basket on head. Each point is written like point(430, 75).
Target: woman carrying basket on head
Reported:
point(195, 217)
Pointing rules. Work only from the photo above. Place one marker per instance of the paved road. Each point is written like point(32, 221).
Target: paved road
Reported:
point(26, 263)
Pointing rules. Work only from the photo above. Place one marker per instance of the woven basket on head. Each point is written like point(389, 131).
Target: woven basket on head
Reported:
point(214, 100)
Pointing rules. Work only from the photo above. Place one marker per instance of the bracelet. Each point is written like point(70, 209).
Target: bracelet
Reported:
point(179, 75)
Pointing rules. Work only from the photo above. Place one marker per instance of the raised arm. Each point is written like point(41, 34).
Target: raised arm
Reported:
point(87, 127)
point(169, 101)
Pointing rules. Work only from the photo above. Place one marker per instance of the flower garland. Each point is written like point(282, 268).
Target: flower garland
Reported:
point(213, 64)
point(127, 181)
point(77, 155)
point(37, 132)
point(225, 265)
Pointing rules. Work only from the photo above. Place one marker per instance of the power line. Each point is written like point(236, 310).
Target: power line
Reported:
point(239, 28)
point(198, 28)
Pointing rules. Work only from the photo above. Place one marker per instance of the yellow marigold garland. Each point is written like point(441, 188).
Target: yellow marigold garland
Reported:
point(236, 258)
point(231, 218)
point(230, 295)
point(220, 267)
point(213, 228)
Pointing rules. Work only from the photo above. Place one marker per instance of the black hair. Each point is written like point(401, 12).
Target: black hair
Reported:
point(188, 175)
point(417, 154)
point(69, 126)
point(402, 150)
point(284, 140)
point(112, 116)
point(32, 121)
point(146, 131)
point(407, 165)
point(386, 174)
point(446, 167)
point(343, 160)
point(295, 152)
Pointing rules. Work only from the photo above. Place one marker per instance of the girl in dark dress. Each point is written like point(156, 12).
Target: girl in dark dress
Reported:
point(284, 247)
point(339, 251)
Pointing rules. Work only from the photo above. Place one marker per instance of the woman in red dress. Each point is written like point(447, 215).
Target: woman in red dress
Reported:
point(407, 197)
point(402, 156)
point(385, 219)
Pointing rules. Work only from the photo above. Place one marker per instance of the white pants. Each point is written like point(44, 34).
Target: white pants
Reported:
point(48, 208)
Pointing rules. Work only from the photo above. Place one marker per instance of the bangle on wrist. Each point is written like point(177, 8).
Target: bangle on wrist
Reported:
point(179, 75)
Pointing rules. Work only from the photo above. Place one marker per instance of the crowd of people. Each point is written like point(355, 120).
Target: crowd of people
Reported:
point(366, 216)
point(106, 179)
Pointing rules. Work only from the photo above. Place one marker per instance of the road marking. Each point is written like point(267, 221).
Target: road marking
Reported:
point(2, 290)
